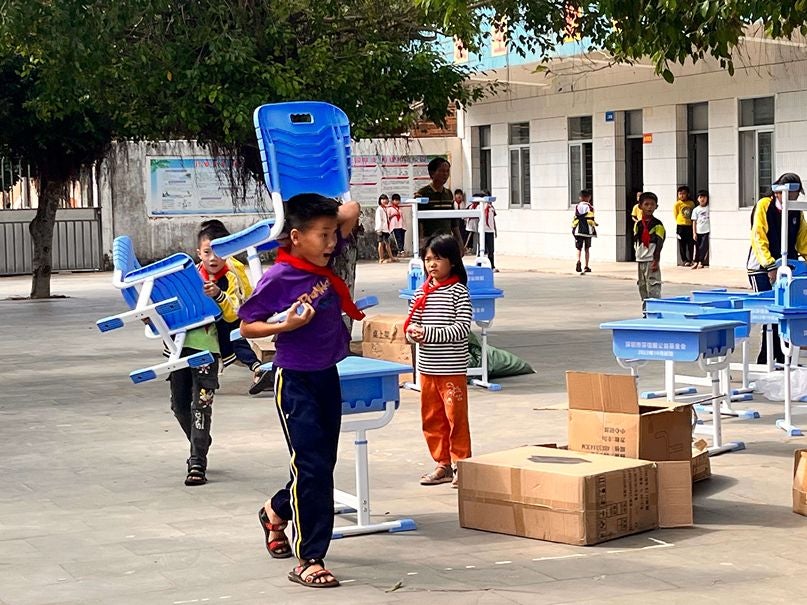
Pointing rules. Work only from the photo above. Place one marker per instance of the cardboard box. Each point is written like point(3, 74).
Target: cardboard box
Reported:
point(675, 493)
point(264, 348)
point(605, 417)
point(701, 465)
point(800, 482)
point(384, 329)
point(400, 353)
point(557, 495)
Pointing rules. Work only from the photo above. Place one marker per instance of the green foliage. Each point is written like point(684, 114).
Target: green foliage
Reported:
point(666, 31)
point(85, 72)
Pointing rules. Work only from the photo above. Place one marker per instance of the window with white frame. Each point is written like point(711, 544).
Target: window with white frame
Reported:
point(484, 159)
point(698, 146)
point(756, 148)
point(519, 148)
point(581, 164)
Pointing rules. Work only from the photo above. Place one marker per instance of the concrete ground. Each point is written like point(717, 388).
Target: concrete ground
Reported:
point(93, 509)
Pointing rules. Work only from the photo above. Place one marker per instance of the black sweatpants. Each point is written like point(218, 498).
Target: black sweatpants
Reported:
point(310, 408)
point(490, 238)
point(685, 242)
point(760, 282)
point(192, 392)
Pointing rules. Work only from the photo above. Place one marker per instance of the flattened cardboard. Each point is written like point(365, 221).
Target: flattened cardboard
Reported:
point(675, 494)
point(400, 353)
point(557, 495)
point(384, 329)
point(701, 465)
point(605, 417)
point(799, 482)
point(602, 392)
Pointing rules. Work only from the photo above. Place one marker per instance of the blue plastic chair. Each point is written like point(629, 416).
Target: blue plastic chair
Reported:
point(169, 294)
point(305, 148)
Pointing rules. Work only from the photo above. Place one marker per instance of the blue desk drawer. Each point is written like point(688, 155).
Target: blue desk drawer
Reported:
point(368, 394)
point(671, 346)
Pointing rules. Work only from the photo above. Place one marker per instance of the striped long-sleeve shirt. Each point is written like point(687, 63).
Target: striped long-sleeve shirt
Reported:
point(446, 321)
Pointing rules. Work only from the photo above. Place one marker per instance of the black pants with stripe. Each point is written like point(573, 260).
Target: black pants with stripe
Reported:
point(310, 408)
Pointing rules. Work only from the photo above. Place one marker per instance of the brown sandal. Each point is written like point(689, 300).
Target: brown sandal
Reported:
point(311, 580)
point(443, 473)
point(278, 548)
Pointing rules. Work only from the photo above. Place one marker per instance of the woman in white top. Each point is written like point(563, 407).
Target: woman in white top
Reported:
point(382, 229)
point(701, 227)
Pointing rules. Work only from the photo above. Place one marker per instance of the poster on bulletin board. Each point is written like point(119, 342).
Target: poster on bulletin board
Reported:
point(181, 186)
point(373, 175)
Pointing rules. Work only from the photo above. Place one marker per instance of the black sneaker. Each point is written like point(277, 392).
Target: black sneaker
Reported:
point(578, 267)
point(587, 270)
point(265, 382)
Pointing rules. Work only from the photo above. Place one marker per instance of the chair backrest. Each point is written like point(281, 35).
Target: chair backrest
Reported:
point(305, 148)
point(124, 261)
point(177, 276)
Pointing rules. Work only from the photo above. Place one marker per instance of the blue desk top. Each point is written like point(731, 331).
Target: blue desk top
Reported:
point(364, 367)
point(487, 293)
point(679, 324)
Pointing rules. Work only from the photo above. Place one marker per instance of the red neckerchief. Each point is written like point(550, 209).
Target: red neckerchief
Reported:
point(646, 232)
point(475, 205)
point(394, 211)
point(206, 276)
point(428, 288)
point(339, 285)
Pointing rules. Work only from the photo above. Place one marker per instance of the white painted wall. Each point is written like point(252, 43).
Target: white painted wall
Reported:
point(544, 230)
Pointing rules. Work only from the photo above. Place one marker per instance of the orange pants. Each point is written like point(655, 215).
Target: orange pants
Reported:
point(444, 412)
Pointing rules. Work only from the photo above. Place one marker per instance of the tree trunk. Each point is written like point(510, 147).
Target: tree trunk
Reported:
point(41, 229)
point(344, 266)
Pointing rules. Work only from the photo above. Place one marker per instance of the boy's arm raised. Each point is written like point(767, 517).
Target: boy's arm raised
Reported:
point(348, 217)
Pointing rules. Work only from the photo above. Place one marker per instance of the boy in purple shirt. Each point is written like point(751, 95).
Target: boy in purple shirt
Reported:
point(309, 343)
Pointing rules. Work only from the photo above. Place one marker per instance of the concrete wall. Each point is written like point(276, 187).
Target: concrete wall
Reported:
point(122, 193)
point(764, 68)
point(123, 182)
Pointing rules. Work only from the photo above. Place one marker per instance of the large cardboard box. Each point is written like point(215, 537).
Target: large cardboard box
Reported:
point(384, 329)
point(557, 495)
point(701, 465)
point(264, 348)
point(605, 417)
point(800, 482)
point(400, 353)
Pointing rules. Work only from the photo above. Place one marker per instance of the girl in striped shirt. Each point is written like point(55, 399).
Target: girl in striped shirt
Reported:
point(439, 321)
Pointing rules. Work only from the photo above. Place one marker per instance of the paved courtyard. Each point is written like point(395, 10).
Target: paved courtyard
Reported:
point(93, 509)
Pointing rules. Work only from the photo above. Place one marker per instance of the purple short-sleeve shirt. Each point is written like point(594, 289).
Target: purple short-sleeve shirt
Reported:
point(318, 345)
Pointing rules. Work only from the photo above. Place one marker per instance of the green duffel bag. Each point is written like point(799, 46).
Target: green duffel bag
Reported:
point(500, 363)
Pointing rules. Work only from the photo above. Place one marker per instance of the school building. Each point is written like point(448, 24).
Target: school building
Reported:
point(617, 129)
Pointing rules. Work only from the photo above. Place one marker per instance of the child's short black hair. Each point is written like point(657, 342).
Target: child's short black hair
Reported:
point(585, 193)
point(445, 246)
point(435, 164)
point(304, 208)
point(459, 191)
point(648, 195)
point(396, 196)
point(683, 188)
point(212, 229)
point(383, 196)
point(703, 192)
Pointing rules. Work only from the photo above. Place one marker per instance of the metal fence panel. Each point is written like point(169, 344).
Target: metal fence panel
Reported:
point(76, 241)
